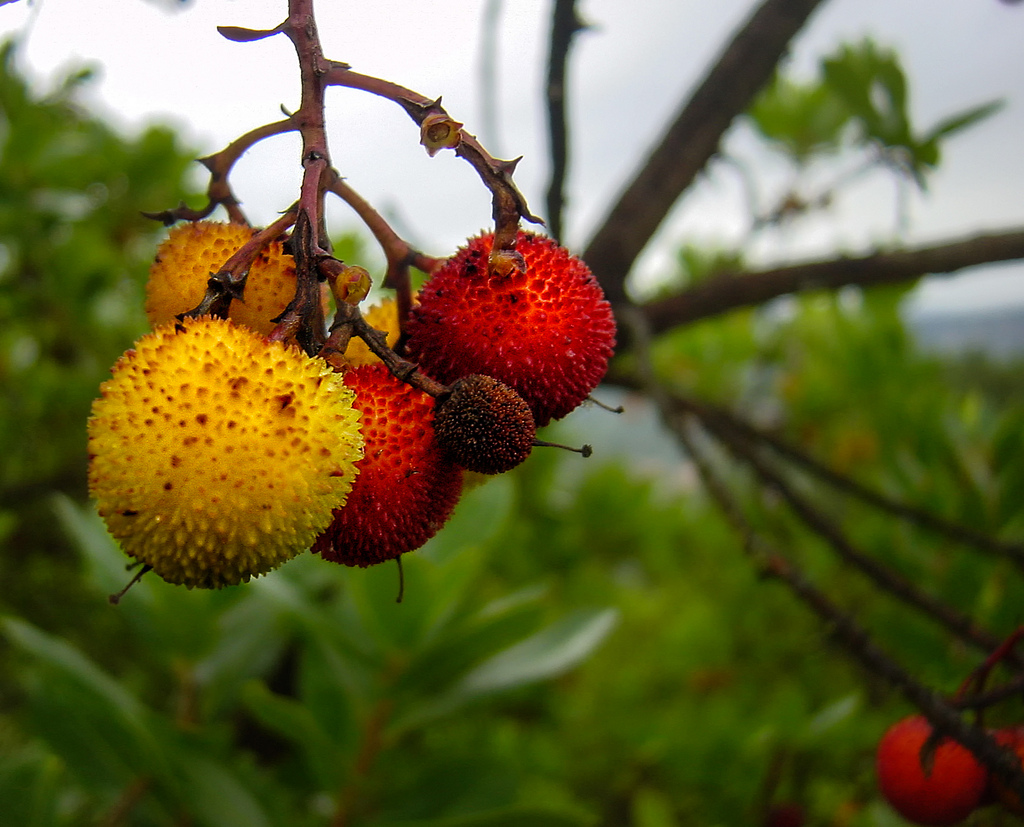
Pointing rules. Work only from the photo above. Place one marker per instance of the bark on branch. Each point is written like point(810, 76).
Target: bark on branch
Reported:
point(689, 142)
point(730, 291)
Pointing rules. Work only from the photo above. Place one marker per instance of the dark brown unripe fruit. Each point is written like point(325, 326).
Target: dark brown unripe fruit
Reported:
point(483, 425)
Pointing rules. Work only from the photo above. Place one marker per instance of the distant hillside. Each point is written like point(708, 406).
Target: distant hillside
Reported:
point(998, 333)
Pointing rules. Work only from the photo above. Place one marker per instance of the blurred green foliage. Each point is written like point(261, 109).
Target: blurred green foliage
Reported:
point(860, 99)
point(584, 644)
point(74, 250)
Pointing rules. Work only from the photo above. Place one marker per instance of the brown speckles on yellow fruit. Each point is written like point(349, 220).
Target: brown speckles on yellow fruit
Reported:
point(215, 456)
point(192, 251)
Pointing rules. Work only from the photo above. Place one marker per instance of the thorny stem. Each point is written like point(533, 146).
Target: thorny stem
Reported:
point(228, 283)
point(943, 714)
point(309, 119)
point(303, 318)
point(312, 246)
point(220, 164)
point(509, 205)
point(975, 682)
point(399, 254)
point(982, 700)
point(348, 321)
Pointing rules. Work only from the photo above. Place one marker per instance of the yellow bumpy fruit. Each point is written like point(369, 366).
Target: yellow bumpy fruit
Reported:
point(216, 456)
point(192, 251)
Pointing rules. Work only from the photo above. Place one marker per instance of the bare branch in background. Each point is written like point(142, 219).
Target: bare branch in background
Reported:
point(742, 69)
point(902, 510)
point(885, 578)
point(844, 627)
point(565, 23)
point(489, 88)
point(730, 291)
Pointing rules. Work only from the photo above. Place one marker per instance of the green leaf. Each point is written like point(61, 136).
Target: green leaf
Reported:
point(103, 732)
point(65, 659)
point(31, 781)
point(834, 714)
point(439, 665)
point(524, 816)
point(217, 798)
point(479, 520)
point(802, 119)
point(963, 120)
point(251, 635)
point(296, 722)
point(547, 654)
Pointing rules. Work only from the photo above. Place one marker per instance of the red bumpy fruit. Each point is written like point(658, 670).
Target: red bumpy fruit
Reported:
point(406, 487)
point(942, 789)
point(547, 331)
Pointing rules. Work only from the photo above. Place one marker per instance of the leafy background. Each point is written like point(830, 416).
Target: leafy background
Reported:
point(584, 644)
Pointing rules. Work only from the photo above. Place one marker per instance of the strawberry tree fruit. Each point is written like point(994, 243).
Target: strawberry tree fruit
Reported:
point(483, 425)
point(930, 781)
point(406, 488)
point(193, 251)
point(215, 456)
point(545, 330)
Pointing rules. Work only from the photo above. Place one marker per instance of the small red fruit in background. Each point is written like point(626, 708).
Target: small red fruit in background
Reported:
point(406, 487)
point(547, 332)
point(940, 786)
point(785, 815)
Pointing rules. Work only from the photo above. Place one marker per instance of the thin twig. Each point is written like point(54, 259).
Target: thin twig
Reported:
point(885, 578)
point(902, 510)
point(228, 283)
point(220, 164)
point(439, 130)
point(399, 254)
point(348, 321)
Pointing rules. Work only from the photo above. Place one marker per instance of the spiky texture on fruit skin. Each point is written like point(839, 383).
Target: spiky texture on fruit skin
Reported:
point(406, 488)
point(546, 332)
point(944, 794)
point(192, 251)
point(216, 456)
point(484, 425)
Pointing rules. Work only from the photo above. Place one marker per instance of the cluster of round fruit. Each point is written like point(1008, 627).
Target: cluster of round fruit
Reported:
point(934, 780)
point(217, 453)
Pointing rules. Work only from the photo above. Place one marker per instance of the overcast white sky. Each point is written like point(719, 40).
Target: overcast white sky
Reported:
point(628, 74)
